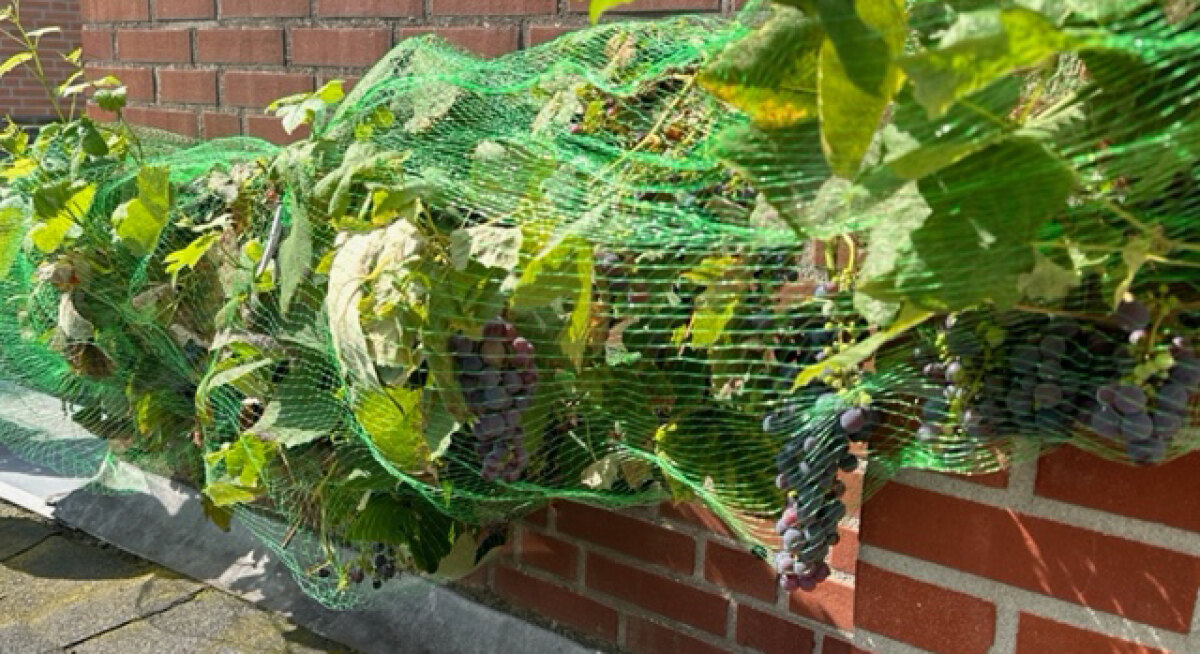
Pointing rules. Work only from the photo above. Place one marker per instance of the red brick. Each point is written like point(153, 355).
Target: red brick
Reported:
point(539, 34)
point(490, 41)
point(139, 82)
point(199, 86)
point(844, 555)
point(492, 7)
point(739, 571)
point(1145, 583)
point(255, 89)
point(104, 11)
point(239, 46)
point(171, 120)
point(834, 646)
point(216, 125)
point(1037, 635)
point(549, 553)
point(667, 597)
point(339, 47)
point(541, 517)
point(157, 45)
point(771, 634)
point(99, 115)
point(631, 536)
point(832, 602)
point(184, 9)
point(645, 637)
point(264, 8)
point(97, 44)
point(655, 6)
point(270, 129)
point(921, 614)
point(695, 515)
point(557, 603)
point(1167, 493)
point(369, 8)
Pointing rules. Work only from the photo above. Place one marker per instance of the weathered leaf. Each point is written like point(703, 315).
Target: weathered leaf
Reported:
point(491, 245)
point(460, 561)
point(771, 75)
point(857, 77)
point(295, 255)
point(601, 474)
point(1048, 281)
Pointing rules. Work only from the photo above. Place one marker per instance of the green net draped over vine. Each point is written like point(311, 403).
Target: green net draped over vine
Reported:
point(713, 260)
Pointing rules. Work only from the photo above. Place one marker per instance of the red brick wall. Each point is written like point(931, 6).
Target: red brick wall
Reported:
point(21, 94)
point(1069, 555)
point(209, 67)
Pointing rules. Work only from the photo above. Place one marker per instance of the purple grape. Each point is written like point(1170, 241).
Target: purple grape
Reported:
point(1132, 315)
point(512, 418)
point(1049, 369)
point(853, 419)
point(470, 363)
point(497, 329)
point(1172, 398)
point(522, 352)
point(1179, 347)
point(1107, 394)
point(793, 539)
point(781, 481)
point(1186, 370)
point(529, 378)
point(1136, 426)
point(784, 562)
point(1106, 422)
point(461, 345)
point(1166, 424)
point(513, 382)
point(496, 398)
point(928, 432)
point(1137, 336)
point(934, 370)
point(1129, 399)
point(1146, 452)
point(494, 353)
point(1047, 395)
point(489, 426)
point(1053, 346)
point(955, 372)
point(489, 377)
point(790, 582)
point(848, 463)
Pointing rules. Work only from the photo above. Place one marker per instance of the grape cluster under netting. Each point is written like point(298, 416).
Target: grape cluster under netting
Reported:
point(726, 261)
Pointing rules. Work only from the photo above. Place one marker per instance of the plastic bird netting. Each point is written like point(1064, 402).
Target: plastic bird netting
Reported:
point(693, 258)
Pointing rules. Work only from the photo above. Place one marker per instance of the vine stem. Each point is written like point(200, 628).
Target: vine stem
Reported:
point(1081, 315)
point(1125, 215)
point(22, 37)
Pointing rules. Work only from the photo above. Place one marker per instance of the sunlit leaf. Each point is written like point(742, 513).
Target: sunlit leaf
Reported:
point(140, 221)
point(771, 75)
point(226, 494)
point(14, 61)
point(392, 419)
point(596, 8)
point(190, 255)
point(854, 355)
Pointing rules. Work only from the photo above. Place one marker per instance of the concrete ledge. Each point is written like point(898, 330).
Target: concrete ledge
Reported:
point(164, 522)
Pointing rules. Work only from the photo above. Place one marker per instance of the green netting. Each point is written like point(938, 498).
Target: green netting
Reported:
point(692, 258)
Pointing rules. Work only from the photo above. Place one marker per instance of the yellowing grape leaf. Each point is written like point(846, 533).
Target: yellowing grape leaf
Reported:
point(392, 419)
point(190, 255)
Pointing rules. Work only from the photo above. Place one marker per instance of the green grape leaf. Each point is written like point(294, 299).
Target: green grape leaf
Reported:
point(906, 211)
point(978, 48)
point(246, 459)
point(190, 255)
point(300, 413)
point(140, 221)
point(771, 75)
point(854, 355)
point(62, 214)
point(15, 60)
point(392, 419)
point(786, 165)
point(596, 8)
point(223, 493)
point(977, 222)
point(13, 223)
point(857, 77)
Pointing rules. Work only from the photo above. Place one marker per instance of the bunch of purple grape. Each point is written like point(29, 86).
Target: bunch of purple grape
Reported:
point(808, 466)
point(498, 378)
point(1147, 416)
